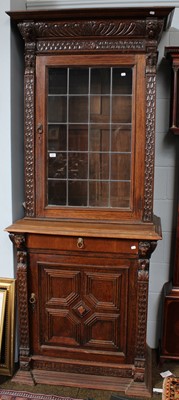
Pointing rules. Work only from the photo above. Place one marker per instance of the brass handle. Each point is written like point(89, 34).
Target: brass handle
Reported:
point(80, 243)
point(32, 299)
point(39, 129)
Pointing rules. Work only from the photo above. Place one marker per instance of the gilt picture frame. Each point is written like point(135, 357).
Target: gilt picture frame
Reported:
point(7, 285)
point(2, 313)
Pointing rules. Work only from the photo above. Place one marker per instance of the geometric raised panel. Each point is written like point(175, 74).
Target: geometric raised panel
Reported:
point(62, 285)
point(103, 290)
point(102, 331)
point(62, 328)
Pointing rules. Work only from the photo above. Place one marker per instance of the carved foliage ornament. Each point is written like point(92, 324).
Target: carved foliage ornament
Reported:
point(18, 240)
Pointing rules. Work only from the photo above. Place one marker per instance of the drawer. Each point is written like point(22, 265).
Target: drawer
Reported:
point(82, 244)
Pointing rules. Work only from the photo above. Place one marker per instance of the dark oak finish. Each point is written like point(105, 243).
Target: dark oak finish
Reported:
point(170, 332)
point(84, 246)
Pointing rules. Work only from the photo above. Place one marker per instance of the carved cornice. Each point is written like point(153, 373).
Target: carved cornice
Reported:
point(96, 34)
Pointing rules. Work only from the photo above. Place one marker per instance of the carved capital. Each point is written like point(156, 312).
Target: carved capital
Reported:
point(153, 28)
point(146, 248)
point(27, 30)
point(18, 240)
point(151, 62)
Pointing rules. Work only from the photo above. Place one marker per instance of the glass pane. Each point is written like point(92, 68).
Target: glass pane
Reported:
point(77, 193)
point(121, 138)
point(98, 194)
point(57, 165)
point(78, 81)
point(100, 80)
point(99, 166)
point(121, 109)
point(99, 138)
point(120, 194)
point(122, 81)
point(100, 109)
point(120, 166)
point(57, 81)
point(56, 192)
point(78, 109)
point(78, 137)
point(57, 109)
point(77, 165)
point(57, 137)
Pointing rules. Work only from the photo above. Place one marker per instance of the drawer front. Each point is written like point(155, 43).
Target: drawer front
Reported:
point(82, 244)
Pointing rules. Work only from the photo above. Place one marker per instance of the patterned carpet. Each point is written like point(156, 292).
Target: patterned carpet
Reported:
point(170, 388)
point(18, 395)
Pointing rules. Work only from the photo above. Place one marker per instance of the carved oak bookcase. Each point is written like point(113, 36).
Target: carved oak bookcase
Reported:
point(84, 245)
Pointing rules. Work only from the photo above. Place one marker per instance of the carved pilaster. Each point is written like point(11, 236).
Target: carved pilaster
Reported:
point(151, 63)
point(22, 294)
point(28, 34)
point(145, 251)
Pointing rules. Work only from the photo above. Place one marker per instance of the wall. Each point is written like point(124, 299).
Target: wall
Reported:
point(11, 165)
point(11, 168)
point(6, 256)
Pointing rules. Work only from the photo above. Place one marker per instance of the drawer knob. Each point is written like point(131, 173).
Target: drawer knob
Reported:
point(80, 243)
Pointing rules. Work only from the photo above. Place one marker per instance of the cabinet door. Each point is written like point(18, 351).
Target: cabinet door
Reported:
point(87, 159)
point(82, 309)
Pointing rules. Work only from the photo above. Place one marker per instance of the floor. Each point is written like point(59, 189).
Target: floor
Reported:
point(89, 394)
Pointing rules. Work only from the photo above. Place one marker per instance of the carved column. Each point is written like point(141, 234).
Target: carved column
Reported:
point(19, 241)
point(145, 251)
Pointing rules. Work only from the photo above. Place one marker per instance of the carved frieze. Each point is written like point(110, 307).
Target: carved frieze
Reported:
point(89, 28)
point(77, 45)
point(83, 369)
